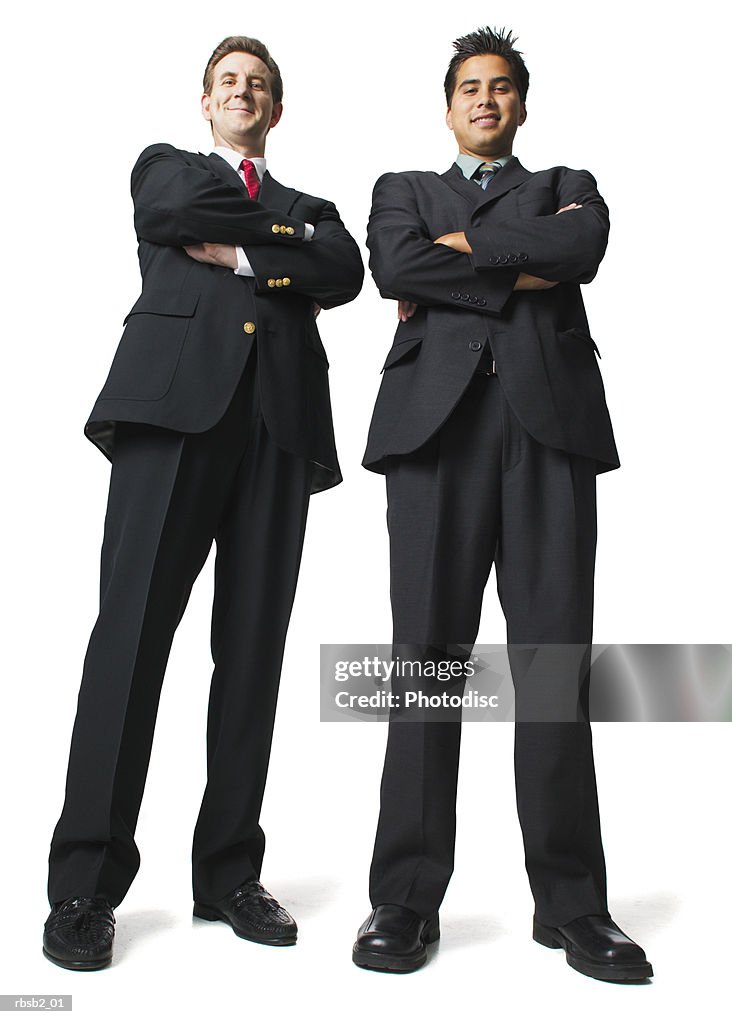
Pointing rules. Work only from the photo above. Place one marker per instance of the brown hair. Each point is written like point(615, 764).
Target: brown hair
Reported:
point(243, 44)
point(485, 41)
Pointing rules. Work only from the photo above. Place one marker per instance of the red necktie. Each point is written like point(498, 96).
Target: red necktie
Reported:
point(250, 178)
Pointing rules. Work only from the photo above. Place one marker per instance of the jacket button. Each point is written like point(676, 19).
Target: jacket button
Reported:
point(286, 281)
point(465, 297)
point(456, 295)
point(270, 282)
point(249, 327)
point(290, 230)
point(473, 299)
point(513, 258)
point(503, 258)
point(523, 257)
point(278, 282)
point(481, 302)
point(475, 346)
point(276, 229)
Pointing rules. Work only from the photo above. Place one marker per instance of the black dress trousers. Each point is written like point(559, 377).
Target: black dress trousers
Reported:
point(171, 495)
point(483, 491)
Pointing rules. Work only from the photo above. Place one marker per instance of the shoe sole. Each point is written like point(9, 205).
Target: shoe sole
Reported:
point(394, 964)
point(78, 965)
point(552, 938)
point(212, 914)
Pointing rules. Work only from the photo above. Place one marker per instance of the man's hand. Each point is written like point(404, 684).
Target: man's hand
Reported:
point(455, 240)
point(405, 309)
point(219, 254)
point(572, 206)
point(529, 283)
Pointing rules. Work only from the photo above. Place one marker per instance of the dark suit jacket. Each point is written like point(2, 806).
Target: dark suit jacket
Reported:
point(187, 338)
point(545, 357)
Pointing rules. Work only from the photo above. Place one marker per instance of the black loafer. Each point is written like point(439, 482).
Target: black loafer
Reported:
point(394, 938)
point(253, 914)
point(595, 946)
point(79, 934)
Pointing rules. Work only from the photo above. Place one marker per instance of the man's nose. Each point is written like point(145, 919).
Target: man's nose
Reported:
point(487, 98)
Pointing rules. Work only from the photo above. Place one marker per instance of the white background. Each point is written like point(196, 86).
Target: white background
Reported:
point(638, 94)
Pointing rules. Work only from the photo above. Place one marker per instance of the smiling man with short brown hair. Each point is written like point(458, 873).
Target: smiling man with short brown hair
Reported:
point(216, 417)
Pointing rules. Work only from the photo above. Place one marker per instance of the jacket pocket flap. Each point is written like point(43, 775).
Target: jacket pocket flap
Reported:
point(166, 302)
point(578, 332)
point(399, 349)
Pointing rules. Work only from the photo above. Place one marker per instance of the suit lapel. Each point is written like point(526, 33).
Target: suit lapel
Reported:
point(513, 174)
point(223, 169)
point(272, 195)
point(275, 196)
point(469, 190)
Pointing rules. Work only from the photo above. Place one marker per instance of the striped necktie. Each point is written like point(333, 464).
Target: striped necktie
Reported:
point(486, 172)
point(250, 178)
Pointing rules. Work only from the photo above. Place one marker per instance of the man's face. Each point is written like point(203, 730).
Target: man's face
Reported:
point(240, 106)
point(485, 111)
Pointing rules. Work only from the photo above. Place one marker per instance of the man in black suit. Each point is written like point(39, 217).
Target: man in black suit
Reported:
point(216, 416)
point(491, 426)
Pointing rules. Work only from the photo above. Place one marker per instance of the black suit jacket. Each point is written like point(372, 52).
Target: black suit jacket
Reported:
point(545, 356)
point(187, 337)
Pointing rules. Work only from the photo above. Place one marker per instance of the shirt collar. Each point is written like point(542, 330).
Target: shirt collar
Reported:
point(234, 159)
point(469, 164)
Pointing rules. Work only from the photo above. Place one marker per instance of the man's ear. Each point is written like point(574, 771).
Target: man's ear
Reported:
point(522, 115)
point(276, 115)
point(448, 119)
point(206, 106)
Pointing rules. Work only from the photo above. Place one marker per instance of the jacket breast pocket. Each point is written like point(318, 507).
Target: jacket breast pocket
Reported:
point(400, 350)
point(150, 348)
point(537, 202)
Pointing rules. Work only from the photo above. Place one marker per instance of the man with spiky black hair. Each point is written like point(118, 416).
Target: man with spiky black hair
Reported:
point(491, 426)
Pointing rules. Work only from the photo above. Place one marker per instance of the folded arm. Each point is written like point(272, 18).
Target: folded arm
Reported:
point(406, 264)
point(329, 269)
point(177, 203)
point(560, 248)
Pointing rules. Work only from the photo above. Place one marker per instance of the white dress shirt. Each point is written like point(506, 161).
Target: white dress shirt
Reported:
point(244, 267)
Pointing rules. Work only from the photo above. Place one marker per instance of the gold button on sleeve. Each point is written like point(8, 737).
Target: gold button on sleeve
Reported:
point(290, 231)
point(286, 281)
point(249, 327)
point(270, 282)
point(278, 282)
point(276, 229)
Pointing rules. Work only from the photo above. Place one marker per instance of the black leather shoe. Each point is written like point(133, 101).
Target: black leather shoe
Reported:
point(253, 914)
point(79, 934)
point(595, 946)
point(394, 938)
